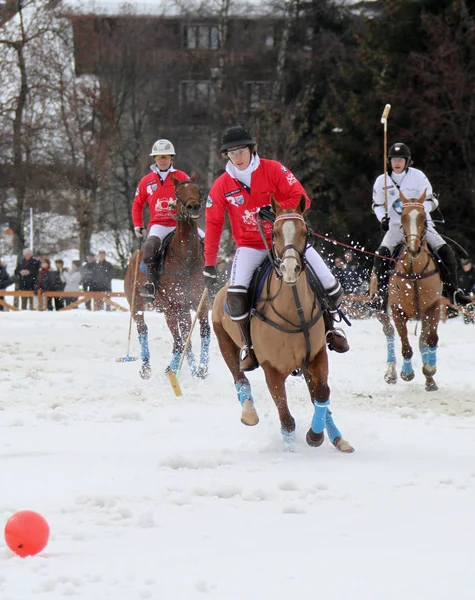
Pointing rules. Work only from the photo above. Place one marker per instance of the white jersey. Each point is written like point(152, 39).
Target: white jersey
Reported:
point(412, 183)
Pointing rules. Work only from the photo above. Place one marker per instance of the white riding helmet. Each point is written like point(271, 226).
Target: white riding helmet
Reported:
point(163, 147)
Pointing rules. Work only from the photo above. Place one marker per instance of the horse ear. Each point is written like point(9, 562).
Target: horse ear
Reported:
point(194, 177)
point(403, 197)
point(174, 179)
point(423, 197)
point(276, 207)
point(302, 204)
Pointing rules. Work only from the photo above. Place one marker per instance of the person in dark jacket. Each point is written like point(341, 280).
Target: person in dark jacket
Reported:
point(467, 277)
point(28, 269)
point(104, 274)
point(89, 276)
point(50, 281)
point(5, 280)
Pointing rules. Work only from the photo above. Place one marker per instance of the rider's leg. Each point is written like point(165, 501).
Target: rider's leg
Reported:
point(150, 253)
point(336, 339)
point(449, 275)
point(246, 260)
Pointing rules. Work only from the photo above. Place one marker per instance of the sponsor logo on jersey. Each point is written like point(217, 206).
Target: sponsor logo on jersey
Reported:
point(163, 204)
point(235, 200)
point(232, 192)
point(137, 192)
point(285, 170)
point(291, 179)
point(249, 218)
point(209, 202)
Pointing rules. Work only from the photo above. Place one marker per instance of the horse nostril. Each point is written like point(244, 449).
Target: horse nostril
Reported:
point(298, 268)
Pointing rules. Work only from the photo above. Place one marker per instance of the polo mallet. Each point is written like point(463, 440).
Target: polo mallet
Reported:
point(129, 358)
point(384, 121)
point(172, 376)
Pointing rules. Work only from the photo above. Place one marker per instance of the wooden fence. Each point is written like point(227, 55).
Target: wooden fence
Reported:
point(39, 301)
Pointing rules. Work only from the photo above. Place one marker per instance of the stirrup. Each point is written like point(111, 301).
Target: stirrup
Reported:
point(247, 359)
point(337, 341)
point(147, 290)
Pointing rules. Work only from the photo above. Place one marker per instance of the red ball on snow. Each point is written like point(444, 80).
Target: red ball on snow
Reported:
point(26, 533)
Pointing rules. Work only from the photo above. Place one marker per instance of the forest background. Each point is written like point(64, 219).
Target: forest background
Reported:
point(78, 115)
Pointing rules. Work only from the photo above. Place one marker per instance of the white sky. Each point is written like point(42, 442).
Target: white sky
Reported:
point(163, 7)
point(154, 497)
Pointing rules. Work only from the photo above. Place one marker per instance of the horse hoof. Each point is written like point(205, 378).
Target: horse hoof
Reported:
point(314, 439)
point(431, 386)
point(202, 372)
point(343, 446)
point(408, 377)
point(390, 376)
point(146, 371)
point(289, 439)
point(249, 414)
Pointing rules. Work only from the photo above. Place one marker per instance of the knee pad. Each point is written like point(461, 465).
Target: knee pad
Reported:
point(151, 248)
point(238, 303)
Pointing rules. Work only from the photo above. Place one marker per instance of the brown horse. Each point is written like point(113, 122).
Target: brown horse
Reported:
point(180, 285)
point(288, 334)
point(414, 292)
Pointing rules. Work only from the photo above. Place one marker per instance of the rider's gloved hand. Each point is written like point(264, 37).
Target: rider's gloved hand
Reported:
point(139, 232)
point(211, 278)
point(266, 213)
point(385, 224)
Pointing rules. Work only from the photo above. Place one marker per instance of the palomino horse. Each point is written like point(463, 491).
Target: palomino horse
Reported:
point(288, 334)
point(414, 292)
point(180, 286)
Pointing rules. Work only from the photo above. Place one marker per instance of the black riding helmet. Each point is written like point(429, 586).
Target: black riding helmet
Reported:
point(236, 136)
point(400, 150)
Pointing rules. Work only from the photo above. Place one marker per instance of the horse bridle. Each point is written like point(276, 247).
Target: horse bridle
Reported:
point(187, 212)
point(422, 237)
point(279, 257)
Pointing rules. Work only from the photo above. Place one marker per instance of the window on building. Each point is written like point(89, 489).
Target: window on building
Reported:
point(201, 37)
point(256, 92)
point(196, 94)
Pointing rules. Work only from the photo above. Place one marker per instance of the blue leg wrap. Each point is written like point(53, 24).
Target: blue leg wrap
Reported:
point(190, 359)
point(332, 429)
point(319, 416)
point(244, 392)
point(391, 349)
point(407, 366)
point(175, 361)
point(432, 356)
point(204, 355)
point(145, 352)
point(424, 353)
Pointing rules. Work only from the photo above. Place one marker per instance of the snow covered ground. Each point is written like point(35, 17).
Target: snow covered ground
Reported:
point(150, 496)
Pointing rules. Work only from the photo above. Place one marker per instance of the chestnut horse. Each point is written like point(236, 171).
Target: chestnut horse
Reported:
point(180, 286)
point(287, 332)
point(414, 292)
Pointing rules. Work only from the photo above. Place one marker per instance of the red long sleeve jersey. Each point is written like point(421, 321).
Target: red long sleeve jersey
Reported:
point(159, 196)
point(269, 178)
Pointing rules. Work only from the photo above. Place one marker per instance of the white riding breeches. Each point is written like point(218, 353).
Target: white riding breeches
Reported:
point(395, 236)
point(246, 261)
point(161, 231)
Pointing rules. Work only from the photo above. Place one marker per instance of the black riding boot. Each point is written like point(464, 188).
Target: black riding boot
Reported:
point(381, 267)
point(238, 305)
point(150, 252)
point(450, 277)
point(335, 336)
